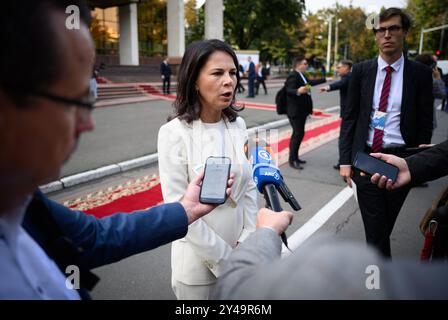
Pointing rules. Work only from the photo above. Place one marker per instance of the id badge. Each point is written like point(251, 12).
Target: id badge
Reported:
point(379, 120)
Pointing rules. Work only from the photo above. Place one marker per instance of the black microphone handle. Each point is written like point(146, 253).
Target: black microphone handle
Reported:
point(273, 202)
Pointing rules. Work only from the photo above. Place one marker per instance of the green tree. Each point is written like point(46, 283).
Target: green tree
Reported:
point(353, 32)
point(272, 26)
point(101, 36)
point(152, 30)
point(195, 22)
point(428, 14)
point(355, 41)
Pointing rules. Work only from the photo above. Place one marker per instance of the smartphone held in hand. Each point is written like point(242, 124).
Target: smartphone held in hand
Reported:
point(214, 184)
point(371, 165)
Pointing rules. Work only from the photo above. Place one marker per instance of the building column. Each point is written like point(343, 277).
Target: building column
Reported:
point(176, 28)
point(214, 19)
point(128, 35)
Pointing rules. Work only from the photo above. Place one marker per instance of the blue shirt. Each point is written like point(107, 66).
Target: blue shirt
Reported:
point(26, 272)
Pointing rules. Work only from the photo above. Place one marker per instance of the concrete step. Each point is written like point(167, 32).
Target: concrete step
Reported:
point(119, 91)
point(113, 92)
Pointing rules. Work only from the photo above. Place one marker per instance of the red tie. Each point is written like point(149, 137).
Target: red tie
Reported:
point(378, 134)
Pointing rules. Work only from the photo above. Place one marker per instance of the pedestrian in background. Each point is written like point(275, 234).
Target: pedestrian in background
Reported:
point(240, 86)
point(299, 106)
point(262, 73)
point(251, 75)
point(438, 86)
point(344, 70)
point(165, 71)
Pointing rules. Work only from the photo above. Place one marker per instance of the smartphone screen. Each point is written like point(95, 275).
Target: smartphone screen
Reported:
point(214, 184)
point(371, 165)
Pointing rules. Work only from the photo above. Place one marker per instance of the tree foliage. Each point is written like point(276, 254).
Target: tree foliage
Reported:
point(355, 41)
point(428, 14)
point(152, 29)
point(195, 22)
point(100, 34)
point(272, 26)
point(353, 32)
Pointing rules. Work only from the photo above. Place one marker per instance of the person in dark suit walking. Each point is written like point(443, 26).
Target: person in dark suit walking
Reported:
point(262, 75)
point(165, 71)
point(389, 109)
point(45, 108)
point(251, 76)
point(344, 70)
point(299, 106)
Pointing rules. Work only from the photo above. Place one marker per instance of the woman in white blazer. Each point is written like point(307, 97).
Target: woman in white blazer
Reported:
point(205, 124)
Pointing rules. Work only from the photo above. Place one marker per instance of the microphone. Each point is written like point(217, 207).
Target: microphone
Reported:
point(269, 182)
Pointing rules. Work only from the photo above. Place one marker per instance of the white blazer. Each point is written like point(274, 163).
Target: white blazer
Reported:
point(182, 151)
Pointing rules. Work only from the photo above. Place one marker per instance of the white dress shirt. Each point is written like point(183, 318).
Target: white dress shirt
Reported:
point(26, 272)
point(392, 133)
point(305, 82)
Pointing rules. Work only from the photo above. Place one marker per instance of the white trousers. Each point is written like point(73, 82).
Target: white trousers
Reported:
point(192, 292)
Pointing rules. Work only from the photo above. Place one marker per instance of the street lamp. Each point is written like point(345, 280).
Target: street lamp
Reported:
point(336, 35)
point(330, 19)
point(423, 31)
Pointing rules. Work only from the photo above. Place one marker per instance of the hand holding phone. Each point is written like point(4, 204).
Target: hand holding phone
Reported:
point(214, 184)
point(371, 165)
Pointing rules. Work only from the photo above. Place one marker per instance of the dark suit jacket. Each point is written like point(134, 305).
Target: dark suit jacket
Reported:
point(416, 107)
point(251, 72)
point(165, 70)
point(299, 104)
point(429, 164)
point(342, 86)
point(73, 238)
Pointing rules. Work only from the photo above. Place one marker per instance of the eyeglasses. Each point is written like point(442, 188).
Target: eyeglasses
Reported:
point(88, 103)
point(393, 30)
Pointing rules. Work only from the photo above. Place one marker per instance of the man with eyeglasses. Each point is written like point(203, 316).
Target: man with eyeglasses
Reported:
point(44, 108)
point(389, 111)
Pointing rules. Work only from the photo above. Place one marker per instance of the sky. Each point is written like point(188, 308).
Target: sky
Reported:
point(369, 6)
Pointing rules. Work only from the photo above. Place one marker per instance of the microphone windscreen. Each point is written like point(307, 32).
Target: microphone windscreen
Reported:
point(264, 170)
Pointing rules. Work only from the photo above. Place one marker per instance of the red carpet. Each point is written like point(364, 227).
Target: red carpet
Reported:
point(283, 144)
point(139, 201)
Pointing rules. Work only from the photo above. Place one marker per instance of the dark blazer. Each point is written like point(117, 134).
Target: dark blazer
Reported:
point(342, 86)
point(416, 107)
point(165, 70)
point(251, 72)
point(299, 104)
point(429, 164)
point(73, 238)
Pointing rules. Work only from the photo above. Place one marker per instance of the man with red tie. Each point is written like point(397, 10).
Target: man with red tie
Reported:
point(389, 110)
